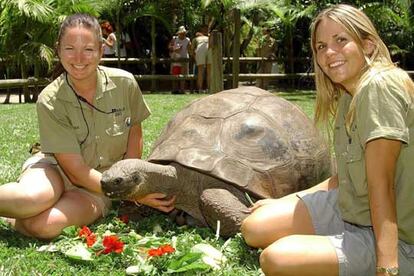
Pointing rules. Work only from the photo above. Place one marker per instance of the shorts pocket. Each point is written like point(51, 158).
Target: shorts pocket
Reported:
point(406, 258)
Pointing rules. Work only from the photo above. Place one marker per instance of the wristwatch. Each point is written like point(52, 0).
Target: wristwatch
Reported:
point(393, 271)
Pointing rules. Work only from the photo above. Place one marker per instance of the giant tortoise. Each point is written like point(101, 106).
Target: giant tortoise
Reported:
point(219, 148)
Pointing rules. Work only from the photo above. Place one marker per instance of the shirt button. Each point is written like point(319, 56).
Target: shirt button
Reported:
point(101, 158)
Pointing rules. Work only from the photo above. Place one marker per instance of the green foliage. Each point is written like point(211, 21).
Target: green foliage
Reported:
point(28, 28)
point(18, 131)
point(28, 32)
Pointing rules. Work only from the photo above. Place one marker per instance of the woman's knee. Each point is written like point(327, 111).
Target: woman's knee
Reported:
point(276, 258)
point(252, 231)
point(247, 230)
point(37, 201)
point(42, 227)
point(44, 179)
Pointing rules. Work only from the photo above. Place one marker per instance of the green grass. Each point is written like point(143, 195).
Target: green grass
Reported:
point(18, 255)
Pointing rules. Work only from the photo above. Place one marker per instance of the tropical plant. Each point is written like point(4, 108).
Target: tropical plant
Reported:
point(288, 17)
point(28, 28)
point(28, 31)
point(25, 42)
point(394, 20)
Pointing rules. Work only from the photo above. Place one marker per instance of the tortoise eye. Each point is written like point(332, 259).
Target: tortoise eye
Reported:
point(136, 178)
point(117, 181)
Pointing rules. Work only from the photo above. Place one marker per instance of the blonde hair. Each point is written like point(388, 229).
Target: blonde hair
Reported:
point(357, 24)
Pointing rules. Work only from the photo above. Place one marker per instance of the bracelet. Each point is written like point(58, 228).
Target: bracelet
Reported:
point(393, 271)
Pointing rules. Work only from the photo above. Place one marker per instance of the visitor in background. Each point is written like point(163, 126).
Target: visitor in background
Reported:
point(199, 49)
point(179, 48)
point(109, 39)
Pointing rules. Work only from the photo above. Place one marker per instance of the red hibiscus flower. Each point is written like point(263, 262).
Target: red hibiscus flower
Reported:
point(90, 240)
point(166, 249)
point(155, 252)
point(162, 250)
point(124, 218)
point(85, 232)
point(112, 244)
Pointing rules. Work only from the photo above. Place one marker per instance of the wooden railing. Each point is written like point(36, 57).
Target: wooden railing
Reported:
point(40, 82)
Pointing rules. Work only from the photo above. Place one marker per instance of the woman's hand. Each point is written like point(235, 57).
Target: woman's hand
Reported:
point(261, 203)
point(158, 201)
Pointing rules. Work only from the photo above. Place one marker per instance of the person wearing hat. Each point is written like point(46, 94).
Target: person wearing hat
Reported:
point(200, 53)
point(179, 48)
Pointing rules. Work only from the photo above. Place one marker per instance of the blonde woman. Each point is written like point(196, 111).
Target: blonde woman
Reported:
point(359, 221)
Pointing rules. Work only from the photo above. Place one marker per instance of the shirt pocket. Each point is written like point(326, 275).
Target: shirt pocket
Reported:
point(356, 169)
point(79, 122)
point(117, 128)
point(118, 122)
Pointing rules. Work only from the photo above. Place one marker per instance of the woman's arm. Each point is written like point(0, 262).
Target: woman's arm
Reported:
point(381, 156)
point(79, 172)
point(135, 142)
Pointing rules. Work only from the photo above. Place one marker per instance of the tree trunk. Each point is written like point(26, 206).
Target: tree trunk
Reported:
point(236, 48)
point(216, 76)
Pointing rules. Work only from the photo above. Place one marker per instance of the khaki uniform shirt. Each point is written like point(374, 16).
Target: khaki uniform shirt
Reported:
point(383, 110)
point(65, 121)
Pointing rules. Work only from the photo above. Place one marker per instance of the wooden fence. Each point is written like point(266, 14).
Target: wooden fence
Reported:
point(35, 84)
point(217, 77)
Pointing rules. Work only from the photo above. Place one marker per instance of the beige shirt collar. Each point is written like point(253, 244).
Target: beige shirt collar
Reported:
point(104, 84)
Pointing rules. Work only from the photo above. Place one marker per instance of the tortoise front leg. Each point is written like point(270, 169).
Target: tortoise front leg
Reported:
point(228, 205)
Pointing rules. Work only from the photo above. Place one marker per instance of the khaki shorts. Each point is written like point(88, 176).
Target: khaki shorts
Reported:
point(103, 202)
point(354, 244)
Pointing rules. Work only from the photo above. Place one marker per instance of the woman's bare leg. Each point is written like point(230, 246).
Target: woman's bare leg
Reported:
point(272, 221)
point(39, 188)
point(73, 208)
point(277, 218)
point(303, 255)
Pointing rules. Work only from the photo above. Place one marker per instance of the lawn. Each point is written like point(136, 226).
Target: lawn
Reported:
point(20, 256)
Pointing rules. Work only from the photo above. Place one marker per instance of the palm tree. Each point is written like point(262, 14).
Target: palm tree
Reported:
point(394, 21)
point(25, 36)
point(252, 12)
point(286, 15)
point(26, 40)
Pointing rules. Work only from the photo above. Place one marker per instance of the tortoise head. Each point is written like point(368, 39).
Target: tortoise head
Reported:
point(124, 179)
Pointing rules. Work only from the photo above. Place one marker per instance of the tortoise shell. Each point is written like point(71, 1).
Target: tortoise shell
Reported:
point(247, 137)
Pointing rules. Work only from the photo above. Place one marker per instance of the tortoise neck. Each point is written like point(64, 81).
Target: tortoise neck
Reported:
point(165, 175)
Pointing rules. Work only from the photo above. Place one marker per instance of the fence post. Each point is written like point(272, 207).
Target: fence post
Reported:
point(216, 76)
point(236, 48)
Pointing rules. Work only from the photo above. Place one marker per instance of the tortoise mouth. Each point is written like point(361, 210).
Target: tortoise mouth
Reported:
point(116, 188)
